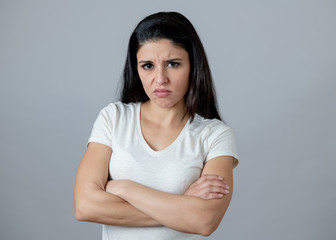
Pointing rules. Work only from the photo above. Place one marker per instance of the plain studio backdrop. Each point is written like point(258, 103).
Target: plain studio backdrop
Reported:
point(273, 64)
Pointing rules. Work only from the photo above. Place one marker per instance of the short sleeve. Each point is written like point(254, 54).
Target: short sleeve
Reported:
point(221, 142)
point(101, 131)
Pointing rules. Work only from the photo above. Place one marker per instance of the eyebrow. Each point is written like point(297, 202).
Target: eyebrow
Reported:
point(169, 60)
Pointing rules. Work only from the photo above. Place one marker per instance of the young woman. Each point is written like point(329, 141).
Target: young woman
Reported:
point(159, 163)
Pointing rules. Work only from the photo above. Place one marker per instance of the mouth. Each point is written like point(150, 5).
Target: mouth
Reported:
point(162, 92)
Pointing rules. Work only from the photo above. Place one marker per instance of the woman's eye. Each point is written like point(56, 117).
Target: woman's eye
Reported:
point(173, 64)
point(147, 66)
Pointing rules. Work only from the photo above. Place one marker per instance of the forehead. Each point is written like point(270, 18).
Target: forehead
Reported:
point(161, 48)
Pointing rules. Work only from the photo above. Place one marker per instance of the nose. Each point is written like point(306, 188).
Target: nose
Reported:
point(161, 76)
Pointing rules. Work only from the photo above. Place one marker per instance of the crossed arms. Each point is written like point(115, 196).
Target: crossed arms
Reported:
point(127, 203)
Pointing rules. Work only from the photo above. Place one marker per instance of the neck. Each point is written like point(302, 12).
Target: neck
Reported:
point(165, 116)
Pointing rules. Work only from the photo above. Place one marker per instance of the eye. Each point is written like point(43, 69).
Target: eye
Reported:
point(147, 66)
point(173, 64)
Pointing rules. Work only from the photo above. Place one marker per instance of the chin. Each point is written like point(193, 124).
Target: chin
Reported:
point(164, 103)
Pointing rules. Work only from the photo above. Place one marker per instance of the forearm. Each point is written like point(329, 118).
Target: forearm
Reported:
point(102, 207)
point(179, 212)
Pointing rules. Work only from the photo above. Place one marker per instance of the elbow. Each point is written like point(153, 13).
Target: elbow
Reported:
point(86, 206)
point(209, 225)
point(206, 231)
point(81, 211)
point(80, 214)
point(204, 221)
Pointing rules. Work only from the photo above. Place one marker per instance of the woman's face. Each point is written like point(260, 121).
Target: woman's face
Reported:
point(164, 70)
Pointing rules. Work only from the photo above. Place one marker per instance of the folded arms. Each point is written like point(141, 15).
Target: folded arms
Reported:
point(127, 203)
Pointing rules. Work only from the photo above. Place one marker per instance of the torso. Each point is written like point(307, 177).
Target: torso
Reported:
point(179, 163)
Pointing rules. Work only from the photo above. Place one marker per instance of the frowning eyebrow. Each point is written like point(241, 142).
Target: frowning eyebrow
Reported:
point(169, 60)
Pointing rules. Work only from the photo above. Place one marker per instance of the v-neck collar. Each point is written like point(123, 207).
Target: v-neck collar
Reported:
point(148, 149)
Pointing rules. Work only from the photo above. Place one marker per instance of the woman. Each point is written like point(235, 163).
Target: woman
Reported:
point(159, 163)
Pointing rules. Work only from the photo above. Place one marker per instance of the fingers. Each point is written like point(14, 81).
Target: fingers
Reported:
point(208, 190)
point(212, 180)
point(207, 177)
point(208, 186)
point(212, 196)
point(216, 183)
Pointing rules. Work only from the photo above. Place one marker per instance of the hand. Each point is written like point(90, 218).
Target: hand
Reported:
point(208, 186)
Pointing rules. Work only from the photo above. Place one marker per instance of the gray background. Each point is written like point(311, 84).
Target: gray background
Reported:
point(274, 68)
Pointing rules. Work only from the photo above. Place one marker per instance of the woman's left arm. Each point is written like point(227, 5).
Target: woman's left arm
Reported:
point(183, 213)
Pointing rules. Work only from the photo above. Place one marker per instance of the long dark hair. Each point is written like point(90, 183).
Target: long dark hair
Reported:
point(201, 96)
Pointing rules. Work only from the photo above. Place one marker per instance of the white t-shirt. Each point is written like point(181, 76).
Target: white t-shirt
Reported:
point(171, 170)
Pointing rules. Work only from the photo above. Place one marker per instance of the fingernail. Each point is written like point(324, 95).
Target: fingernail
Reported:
point(220, 195)
point(220, 178)
point(226, 191)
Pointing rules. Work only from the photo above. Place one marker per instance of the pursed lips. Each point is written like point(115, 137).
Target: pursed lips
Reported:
point(162, 92)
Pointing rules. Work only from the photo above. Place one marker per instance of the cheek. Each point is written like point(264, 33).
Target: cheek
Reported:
point(143, 80)
point(183, 84)
point(146, 85)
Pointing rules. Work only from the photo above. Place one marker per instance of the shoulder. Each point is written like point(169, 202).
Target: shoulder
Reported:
point(209, 126)
point(218, 137)
point(117, 113)
point(119, 110)
point(120, 107)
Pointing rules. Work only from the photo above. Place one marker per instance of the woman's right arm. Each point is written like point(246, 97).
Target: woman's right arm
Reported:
point(93, 203)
